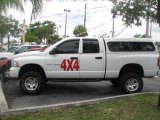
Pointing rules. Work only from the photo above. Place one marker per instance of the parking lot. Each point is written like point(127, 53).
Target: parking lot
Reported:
point(56, 93)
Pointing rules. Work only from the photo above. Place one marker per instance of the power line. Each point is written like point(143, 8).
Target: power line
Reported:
point(121, 31)
point(85, 15)
point(61, 13)
point(97, 7)
point(102, 24)
point(73, 16)
point(97, 11)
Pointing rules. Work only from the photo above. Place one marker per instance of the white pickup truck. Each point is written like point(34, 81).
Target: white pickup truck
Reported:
point(122, 61)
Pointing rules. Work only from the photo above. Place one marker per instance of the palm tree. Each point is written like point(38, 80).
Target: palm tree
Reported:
point(18, 5)
point(158, 10)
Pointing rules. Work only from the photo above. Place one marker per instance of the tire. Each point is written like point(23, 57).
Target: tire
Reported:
point(4, 70)
point(115, 82)
point(131, 83)
point(31, 83)
point(45, 81)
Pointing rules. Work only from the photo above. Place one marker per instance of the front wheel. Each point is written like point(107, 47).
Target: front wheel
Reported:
point(5, 75)
point(131, 83)
point(31, 83)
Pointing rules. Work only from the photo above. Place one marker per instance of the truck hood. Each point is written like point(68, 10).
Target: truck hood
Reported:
point(31, 53)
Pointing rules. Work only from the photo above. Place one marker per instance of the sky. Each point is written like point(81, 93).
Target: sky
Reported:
point(98, 18)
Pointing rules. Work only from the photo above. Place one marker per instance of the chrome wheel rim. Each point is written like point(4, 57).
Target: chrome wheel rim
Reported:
point(132, 84)
point(6, 73)
point(31, 83)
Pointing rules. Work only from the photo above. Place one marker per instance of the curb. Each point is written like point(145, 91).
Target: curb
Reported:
point(70, 104)
point(3, 103)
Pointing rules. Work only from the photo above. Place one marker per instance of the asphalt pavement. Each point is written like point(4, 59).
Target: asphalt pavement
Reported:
point(62, 92)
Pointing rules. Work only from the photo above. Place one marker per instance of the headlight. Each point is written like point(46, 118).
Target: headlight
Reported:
point(15, 64)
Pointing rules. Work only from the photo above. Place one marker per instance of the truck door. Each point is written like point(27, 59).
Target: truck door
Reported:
point(65, 62)
point(92, 59)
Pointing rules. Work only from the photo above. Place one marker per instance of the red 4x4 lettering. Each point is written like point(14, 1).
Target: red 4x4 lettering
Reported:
point(63, 65)
point(70, 65)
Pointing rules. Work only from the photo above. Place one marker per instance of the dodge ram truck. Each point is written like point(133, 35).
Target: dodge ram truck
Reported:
point(124, 62)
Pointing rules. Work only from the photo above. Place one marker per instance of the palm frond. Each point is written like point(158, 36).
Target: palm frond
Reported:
point(6, 4)
point(37, 7)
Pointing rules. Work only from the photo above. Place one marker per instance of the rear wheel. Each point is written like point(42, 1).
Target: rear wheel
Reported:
point(131, 83)
point(31, 83)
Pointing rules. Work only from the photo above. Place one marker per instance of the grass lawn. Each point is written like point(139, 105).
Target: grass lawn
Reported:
point(141, 107)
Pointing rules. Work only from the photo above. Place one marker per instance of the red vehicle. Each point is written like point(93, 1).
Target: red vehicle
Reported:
point(37, 49)
point(4, 67)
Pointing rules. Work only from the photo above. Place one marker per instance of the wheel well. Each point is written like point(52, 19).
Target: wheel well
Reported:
point(136, 68)
point(31, 67)
point(2, 67)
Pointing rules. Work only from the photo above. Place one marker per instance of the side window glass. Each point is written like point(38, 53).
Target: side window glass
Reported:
point(68, 47)
point(90, 46)
point(130, 46)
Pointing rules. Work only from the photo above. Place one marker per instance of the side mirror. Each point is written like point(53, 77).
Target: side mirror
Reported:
point(53, 52)
point(16, 52)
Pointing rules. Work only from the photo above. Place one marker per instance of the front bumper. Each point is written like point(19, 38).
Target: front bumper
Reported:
point(14, 72)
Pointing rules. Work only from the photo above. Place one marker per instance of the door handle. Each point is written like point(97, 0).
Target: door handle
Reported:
point(72, 58)
point(98, 57)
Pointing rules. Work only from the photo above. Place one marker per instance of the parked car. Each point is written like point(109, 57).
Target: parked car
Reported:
point(37, 49)
point(4, 68)
point(5, 63)
point(2, 49)
point(22, 49)
point(13, 49)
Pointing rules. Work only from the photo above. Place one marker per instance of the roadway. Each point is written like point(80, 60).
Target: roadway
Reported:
point(56, 93)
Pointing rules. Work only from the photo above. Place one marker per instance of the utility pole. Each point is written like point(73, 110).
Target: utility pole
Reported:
point(8, 37)
point(151, 29)
point(85, 15)
point(8, 41)
point(147, 26)
point(66, 11)
point(23, 32)
point(114, 15)
point(58, 28)
point(147, 21)
point(113, 28)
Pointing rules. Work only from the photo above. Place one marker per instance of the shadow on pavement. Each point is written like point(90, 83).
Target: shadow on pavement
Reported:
point(55, 93)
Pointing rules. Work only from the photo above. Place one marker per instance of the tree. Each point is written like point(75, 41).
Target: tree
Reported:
point(140, 36)
point(132, 11)
point(137, 35)
point(53, 39)
point(43, 31)
point(80, 31)
point(18, 5)
point(29, 37)
point(157, 44)
point(9, 27)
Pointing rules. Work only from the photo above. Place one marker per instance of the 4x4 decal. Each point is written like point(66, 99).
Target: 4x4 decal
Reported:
point(70, 65)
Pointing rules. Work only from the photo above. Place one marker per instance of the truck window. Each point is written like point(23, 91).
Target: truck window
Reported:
point(68, 47)
point(130, 46)
point(90, 46)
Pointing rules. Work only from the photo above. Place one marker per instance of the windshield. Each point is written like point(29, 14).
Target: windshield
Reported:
point(22, 49)
point(13, 49)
